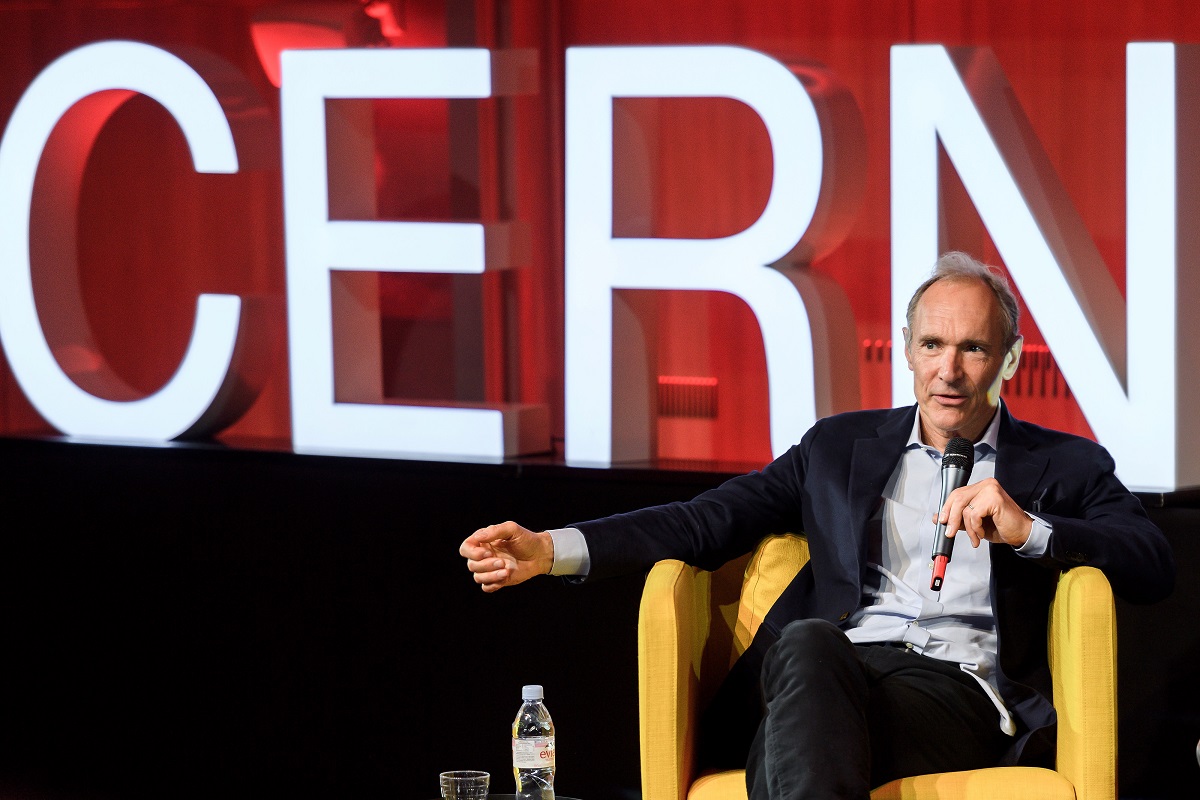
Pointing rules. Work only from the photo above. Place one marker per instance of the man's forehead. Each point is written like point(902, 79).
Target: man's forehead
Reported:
point(960, 291)
point(964, 302)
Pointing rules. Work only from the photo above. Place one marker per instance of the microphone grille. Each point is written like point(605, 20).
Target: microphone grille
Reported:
point(960, 454)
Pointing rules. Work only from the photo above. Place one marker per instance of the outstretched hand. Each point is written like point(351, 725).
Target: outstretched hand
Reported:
point(507, 554)
point(987, 514)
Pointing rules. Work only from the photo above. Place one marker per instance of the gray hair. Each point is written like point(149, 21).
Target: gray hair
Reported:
point(956, 266)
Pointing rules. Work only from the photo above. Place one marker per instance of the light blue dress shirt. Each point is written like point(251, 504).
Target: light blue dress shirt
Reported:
point(955, 624)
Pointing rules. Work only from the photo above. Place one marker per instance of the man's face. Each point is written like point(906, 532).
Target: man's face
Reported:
point(957, 354)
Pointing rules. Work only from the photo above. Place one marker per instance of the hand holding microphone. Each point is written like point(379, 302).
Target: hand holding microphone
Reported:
point(984, 511)
point(957, 463)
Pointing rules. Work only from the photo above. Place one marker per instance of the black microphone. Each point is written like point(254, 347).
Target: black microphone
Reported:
point(957, 464)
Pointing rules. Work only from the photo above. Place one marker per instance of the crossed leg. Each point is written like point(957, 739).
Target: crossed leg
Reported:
point(841, 718)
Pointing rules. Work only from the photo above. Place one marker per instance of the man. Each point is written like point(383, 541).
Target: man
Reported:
point(865, 673)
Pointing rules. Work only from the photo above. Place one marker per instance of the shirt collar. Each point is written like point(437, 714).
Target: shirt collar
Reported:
point(985, 446)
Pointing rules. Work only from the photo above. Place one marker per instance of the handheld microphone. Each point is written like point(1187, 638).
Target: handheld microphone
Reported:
point(957, 464)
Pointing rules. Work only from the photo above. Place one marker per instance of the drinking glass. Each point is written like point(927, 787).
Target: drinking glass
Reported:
point(465, 784)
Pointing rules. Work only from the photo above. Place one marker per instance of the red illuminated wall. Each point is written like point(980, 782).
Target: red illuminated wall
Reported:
point(153, 234)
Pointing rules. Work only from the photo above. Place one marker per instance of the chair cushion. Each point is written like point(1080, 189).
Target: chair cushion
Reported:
point(999, 783)
point(729, 785)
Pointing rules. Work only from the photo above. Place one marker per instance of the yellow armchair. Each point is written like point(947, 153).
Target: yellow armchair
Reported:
point(694, 624)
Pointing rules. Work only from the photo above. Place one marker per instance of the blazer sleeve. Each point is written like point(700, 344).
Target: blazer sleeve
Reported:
point(1098, 522)
point(707, 531)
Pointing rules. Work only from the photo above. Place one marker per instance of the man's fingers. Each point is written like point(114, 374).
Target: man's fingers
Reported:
point(476, 546)
point(973, 525)
point(986, 512)
point(503, 555)
point(486, 564)
point(491, 576)
point(492, 581)
point(962, 513)
point(473, 551)
point(503, 530)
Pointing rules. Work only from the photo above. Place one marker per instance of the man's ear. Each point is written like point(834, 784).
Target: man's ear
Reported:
point(1012, 358)
point(907, 357)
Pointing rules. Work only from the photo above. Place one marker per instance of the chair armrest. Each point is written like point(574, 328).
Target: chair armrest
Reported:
point(672, 625)
point(1083, 650)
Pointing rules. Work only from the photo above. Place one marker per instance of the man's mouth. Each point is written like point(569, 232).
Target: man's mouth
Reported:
point(950, 399)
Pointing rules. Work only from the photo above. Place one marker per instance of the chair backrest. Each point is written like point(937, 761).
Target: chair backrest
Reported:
point(739, 595)
point(1083, 656)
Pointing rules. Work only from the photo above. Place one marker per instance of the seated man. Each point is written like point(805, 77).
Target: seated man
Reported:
point(866, 673)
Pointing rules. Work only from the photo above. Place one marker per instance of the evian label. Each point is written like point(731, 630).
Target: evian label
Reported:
point(533, 753)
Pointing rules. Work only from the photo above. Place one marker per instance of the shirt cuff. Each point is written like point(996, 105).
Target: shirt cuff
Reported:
point(1039, 538)
point(571, 555)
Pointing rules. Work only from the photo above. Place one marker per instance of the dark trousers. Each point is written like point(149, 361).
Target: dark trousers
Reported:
point(842, 718)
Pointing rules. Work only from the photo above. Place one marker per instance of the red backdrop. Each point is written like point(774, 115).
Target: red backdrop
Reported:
point(153, 234)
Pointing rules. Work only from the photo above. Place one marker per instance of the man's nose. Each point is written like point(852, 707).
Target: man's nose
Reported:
point(950, 365)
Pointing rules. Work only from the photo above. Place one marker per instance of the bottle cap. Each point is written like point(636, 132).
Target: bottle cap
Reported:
point(531, 692)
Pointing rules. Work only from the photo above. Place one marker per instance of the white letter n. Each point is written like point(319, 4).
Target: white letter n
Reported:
point(1126, 361)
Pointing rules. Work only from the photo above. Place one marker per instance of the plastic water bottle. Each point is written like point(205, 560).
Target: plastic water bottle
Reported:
point(533, 747)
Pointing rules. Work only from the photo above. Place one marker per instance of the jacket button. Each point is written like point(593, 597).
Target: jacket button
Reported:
point(845, 615)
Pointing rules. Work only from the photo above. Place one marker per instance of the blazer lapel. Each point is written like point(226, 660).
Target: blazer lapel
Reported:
point(1019, 467)
point(872, 462)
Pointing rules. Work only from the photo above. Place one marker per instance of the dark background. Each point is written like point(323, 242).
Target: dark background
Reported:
point(193, 621)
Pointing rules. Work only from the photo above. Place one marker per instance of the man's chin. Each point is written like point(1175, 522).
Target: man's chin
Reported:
point(947, 422)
